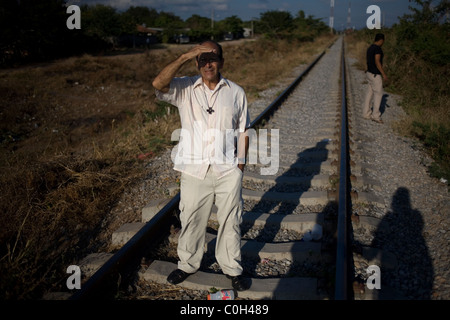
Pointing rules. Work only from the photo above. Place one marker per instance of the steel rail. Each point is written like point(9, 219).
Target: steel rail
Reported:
point(153, 229)
point(266, 113)
point(342, 254)
point(121, 260)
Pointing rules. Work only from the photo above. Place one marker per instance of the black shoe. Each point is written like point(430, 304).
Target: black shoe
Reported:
point(239, 283)
point(177, 276)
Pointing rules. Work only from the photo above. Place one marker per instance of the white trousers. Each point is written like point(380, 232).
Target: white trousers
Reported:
point(375, 91)
point(196, 200)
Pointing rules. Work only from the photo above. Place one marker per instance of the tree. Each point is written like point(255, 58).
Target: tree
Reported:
point(275, 23)
point(233, 24)
point(137, 16)
point(33, 30)
point(168, 20)
point(428, 12)
point(100, 21)
point(143, 15)
point(171, 24)
point(309, 26)
point(423, 33)
point(200, 27)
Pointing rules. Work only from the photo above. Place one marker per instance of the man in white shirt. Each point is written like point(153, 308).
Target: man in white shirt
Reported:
point(211, 157)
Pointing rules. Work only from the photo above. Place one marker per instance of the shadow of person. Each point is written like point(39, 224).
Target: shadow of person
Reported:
point(406, 267)
point(296, 179)
point(383, 104)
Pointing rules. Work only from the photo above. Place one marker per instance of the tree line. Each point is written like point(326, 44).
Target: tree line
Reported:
point(36, 30)
point(420, 44)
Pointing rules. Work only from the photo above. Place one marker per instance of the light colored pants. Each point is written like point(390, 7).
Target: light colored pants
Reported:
point(375, 91)
point(196, 201)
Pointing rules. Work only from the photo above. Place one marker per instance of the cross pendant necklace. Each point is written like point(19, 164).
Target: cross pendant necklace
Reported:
point(210, 110)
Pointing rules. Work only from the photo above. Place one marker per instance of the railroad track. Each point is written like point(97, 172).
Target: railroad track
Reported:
point(295, 230)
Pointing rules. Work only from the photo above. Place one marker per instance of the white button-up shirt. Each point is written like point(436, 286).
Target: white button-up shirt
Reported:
point(207, 139)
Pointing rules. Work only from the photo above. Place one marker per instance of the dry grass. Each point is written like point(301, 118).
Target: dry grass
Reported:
point(70, 135)
point(357, 49)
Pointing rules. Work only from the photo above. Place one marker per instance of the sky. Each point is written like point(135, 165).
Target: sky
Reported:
point(251, 9)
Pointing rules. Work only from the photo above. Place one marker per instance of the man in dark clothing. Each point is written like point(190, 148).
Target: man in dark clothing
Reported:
point(375, 76)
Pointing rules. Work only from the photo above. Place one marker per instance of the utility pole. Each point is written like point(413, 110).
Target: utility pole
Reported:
point(349, 16)
point(212, 23)
point(331, 15)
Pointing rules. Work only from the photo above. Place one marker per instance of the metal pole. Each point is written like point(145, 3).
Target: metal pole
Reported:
point(331, 15)
point(342, 247)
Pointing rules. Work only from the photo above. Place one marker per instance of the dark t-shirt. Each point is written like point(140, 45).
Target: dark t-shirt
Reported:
point(371, 52)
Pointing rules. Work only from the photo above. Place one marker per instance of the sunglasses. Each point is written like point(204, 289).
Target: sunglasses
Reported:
point(206, 58)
